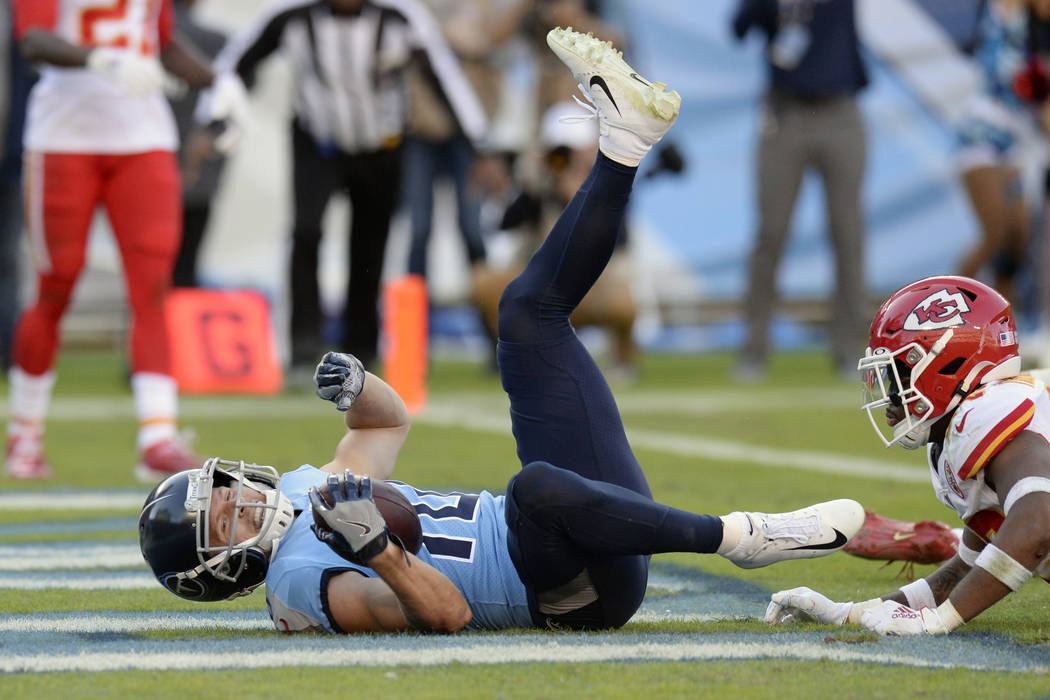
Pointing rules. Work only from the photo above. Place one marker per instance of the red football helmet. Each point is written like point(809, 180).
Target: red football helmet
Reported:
point(931, 343)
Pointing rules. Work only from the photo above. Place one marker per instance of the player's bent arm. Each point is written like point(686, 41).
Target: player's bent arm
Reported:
point(1024, 536)
point(409, 595)
point(183, 59)
point(42, 46)
point(377, 426)
point(937, 585)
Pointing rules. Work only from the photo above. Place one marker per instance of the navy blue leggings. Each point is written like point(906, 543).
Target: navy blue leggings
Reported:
point(581, 500)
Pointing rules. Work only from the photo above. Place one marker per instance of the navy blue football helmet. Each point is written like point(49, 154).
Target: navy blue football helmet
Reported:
point(174, 534)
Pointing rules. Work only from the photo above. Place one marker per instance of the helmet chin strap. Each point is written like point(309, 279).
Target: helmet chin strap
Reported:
point(914, 438)
point(919, 435)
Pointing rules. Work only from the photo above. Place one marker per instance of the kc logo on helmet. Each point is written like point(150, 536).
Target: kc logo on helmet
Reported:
point(942, 309)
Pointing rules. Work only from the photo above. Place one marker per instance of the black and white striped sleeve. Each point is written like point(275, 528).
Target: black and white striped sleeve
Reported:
point(246, 50)
point(426, 34)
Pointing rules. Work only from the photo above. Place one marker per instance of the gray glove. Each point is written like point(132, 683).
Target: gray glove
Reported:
point(352, 526)
point(339, 378)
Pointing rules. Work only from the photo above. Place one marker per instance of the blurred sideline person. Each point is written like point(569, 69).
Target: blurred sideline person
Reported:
point(944, 365)
point(348, 59)
point(434, 146)
point(552, 82)
point(991, 138)
point(810, 120)
point(200, 163)
point(569, 144)
point(99, 132)
point(568, 546)
point(15, 82)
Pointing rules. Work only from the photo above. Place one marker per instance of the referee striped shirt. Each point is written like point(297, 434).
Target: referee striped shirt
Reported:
point(348, 68)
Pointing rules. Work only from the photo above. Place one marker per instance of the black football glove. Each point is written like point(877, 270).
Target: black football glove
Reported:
point(352, 526)
point(339, 378)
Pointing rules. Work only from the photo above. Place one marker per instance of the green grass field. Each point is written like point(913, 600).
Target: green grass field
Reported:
point(707, 445)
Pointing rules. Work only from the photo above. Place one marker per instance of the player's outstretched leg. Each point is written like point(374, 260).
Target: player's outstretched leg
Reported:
point(751, 540)
point(561, 407)
point(633, 114)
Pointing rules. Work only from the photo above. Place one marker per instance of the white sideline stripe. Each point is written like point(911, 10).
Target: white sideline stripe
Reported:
point(710, 448)
point(159, 621)
point(480, 413)
point(122, 581)
point(823, 462)
point(70, 555)
point(147, 623)
point(522, 652)
point(697, 402)
point(67, 579)
point(71, 500)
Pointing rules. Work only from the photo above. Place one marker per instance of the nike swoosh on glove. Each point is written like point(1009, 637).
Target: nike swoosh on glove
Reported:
point(352, 526)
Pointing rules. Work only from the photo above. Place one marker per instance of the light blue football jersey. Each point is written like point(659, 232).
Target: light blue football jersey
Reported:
point(464, 537)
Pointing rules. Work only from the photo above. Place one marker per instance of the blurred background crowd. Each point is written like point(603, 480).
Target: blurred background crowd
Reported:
point(827, 152)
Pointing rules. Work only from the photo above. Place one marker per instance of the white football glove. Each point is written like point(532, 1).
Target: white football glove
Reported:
point(805, 605)
point(225, 102)
point(339, 378)
point(897, 619)
point(134, 73)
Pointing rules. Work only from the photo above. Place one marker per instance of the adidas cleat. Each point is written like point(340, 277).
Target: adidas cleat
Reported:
point(633, 113)
point(815, 531)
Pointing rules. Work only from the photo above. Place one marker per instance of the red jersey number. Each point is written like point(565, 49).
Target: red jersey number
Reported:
point(114, 24)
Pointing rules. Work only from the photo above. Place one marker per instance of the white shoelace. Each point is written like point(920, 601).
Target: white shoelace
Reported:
point(588, 106)
point(792, 527)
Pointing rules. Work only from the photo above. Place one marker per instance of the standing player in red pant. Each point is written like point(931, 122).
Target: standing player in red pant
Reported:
point(99, 132)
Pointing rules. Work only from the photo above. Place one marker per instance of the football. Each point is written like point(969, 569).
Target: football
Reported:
point(399, 514)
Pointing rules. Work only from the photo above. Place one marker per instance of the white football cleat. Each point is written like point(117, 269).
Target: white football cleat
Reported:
point(815, 531)
point(633, 113)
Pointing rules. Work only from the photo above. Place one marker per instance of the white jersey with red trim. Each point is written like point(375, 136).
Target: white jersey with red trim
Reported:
point(74, 110)
point(982, 425)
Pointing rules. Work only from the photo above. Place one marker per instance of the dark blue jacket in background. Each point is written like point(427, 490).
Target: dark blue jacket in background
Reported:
point(832, 65)
point(11, 148)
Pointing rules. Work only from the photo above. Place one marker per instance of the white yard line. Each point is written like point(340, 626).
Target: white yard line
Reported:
point(546, 649)
point(70, 555)
point(114, 623)
point(64, 500)
point(78, 581)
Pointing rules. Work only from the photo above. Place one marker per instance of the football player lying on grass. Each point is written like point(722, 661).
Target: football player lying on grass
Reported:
point(569, 544)
point(943, 362)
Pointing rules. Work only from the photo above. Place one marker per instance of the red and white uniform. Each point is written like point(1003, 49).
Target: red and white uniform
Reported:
point(981, 426)
point(74, 110)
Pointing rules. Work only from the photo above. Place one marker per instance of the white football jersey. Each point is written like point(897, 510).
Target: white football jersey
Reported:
point(982, 425)
point(74, 110)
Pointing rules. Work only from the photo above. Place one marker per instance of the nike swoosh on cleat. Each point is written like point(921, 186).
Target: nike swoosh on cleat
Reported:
point(640, 79)
point(600, 82)
point(365, 529)
point(898, 536)
point(839, 540)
